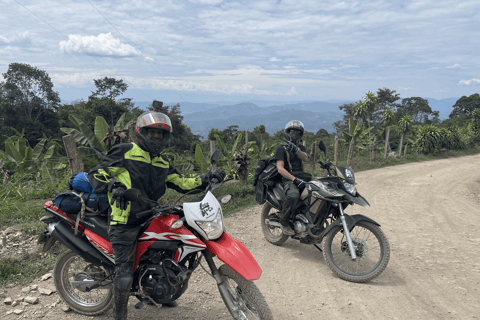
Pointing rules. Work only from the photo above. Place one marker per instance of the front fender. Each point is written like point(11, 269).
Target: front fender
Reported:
point(234, 254)
point(351, 222)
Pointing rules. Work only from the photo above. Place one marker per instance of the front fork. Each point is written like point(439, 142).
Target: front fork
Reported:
point(222, 286)
point(347, 233)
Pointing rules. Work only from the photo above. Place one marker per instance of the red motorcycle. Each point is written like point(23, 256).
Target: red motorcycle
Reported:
point(168, 251)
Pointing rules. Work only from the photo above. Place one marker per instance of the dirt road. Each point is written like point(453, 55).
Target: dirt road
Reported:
point(430, 214)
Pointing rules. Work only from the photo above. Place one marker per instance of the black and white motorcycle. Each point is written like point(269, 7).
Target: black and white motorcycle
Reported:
point(355, 247)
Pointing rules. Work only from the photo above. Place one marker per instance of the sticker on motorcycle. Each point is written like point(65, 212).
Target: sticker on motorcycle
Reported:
point(205, 208)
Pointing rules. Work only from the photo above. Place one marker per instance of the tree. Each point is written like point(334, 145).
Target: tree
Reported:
point(344, 124)
point(30, 90)
point(365, 108)
point(405, 124)
point(465, 105)
point(108, 89)
point(230, 133)
point(416, 107)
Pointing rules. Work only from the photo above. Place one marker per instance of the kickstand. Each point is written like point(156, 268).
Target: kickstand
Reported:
point(318, 247)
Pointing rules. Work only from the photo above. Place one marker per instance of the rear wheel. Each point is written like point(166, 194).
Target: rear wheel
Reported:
point(248, 302)
point(371, 248)
point(69, 270)
point(273, 234)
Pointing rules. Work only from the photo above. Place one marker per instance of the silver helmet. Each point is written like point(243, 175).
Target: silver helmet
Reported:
point(295, 125)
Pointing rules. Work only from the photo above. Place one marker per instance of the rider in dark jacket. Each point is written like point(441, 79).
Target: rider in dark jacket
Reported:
point(290, 157)
point(138, 165)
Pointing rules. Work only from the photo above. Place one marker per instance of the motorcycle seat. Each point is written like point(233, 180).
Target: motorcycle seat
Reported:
point(97, 224)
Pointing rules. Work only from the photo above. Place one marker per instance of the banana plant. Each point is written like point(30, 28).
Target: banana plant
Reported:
point(232, 157)
point(86, 137)
point(357, 135)
point(21, 158)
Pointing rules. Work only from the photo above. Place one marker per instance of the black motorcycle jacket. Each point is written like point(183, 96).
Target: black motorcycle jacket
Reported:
point(129, 165)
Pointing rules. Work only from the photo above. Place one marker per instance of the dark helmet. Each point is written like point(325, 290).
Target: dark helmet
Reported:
point(296, 125)
point(156, 120)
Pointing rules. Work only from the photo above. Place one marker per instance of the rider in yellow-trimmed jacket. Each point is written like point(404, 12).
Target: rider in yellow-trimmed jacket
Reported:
point(138, 165)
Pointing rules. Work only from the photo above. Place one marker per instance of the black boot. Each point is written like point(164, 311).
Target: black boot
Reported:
point(120, 303)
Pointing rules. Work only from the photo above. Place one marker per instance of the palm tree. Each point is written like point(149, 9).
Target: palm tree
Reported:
point(365, 108)
point(388, 119)
point(405, 124)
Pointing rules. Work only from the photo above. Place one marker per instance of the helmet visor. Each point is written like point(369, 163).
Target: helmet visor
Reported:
point(154, 119)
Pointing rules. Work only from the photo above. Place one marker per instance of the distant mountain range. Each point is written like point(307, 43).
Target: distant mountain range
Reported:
point(202, 117)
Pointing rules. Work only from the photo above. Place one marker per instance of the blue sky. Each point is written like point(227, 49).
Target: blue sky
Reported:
point(211, 50)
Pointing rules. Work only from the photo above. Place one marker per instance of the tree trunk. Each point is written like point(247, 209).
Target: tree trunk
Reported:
point(335, 156)
point(386, 143)
point(405, 152)
point(400, 146)
point(374, 149)
point(350, 152)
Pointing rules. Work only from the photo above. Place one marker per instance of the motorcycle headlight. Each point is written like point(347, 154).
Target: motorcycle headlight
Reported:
point(350, 188)
point(326, 189)
point(214, 228)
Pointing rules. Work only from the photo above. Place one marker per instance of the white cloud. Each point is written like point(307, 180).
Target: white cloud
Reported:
point(21, 39)
point(292, 91)
point(149, 59)
point(405, 88)
point(207, 2)
point(455, 66)
point(273, 59)
point(472, 81)
point(104, 44)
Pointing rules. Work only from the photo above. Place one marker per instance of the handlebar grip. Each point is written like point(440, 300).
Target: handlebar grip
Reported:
point(143, 214)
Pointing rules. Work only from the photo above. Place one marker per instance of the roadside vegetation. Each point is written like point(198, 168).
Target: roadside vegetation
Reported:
point(34, 167)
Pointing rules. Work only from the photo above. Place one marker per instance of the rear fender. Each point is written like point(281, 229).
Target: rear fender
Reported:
point(234, 254)
point(351, 222)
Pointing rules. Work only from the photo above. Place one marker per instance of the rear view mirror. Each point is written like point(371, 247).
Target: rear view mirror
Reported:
point(215, 157)
point(322, 146)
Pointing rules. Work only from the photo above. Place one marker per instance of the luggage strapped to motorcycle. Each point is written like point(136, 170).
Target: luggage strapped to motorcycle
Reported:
point(81, 215)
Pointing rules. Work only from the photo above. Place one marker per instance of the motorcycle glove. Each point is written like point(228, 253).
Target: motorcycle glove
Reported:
point(298, 182)
point(119, 198)
point(219, 174)
point(291, 147)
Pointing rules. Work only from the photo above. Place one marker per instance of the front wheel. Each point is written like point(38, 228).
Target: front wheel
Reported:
point(371, 247)
point(69, 272)
point(248, 302)
point(273, 234)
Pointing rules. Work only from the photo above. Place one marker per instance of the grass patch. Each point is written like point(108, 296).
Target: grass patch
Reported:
point(26, 267)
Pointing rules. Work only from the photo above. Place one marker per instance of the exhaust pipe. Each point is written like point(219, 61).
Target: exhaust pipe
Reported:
point(64, 234)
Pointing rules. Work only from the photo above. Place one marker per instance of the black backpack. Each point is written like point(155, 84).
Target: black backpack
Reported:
point(266, 169)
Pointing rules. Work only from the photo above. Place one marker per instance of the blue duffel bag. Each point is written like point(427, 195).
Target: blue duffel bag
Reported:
point(70, 202)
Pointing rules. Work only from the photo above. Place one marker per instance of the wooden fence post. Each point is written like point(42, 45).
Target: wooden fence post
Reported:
point(350, 151)
point(245, 175)
point(386, 144)
point(312, 155)
point(374, 149)
point(335, 157)
point(212, 150)
point(74, 160)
